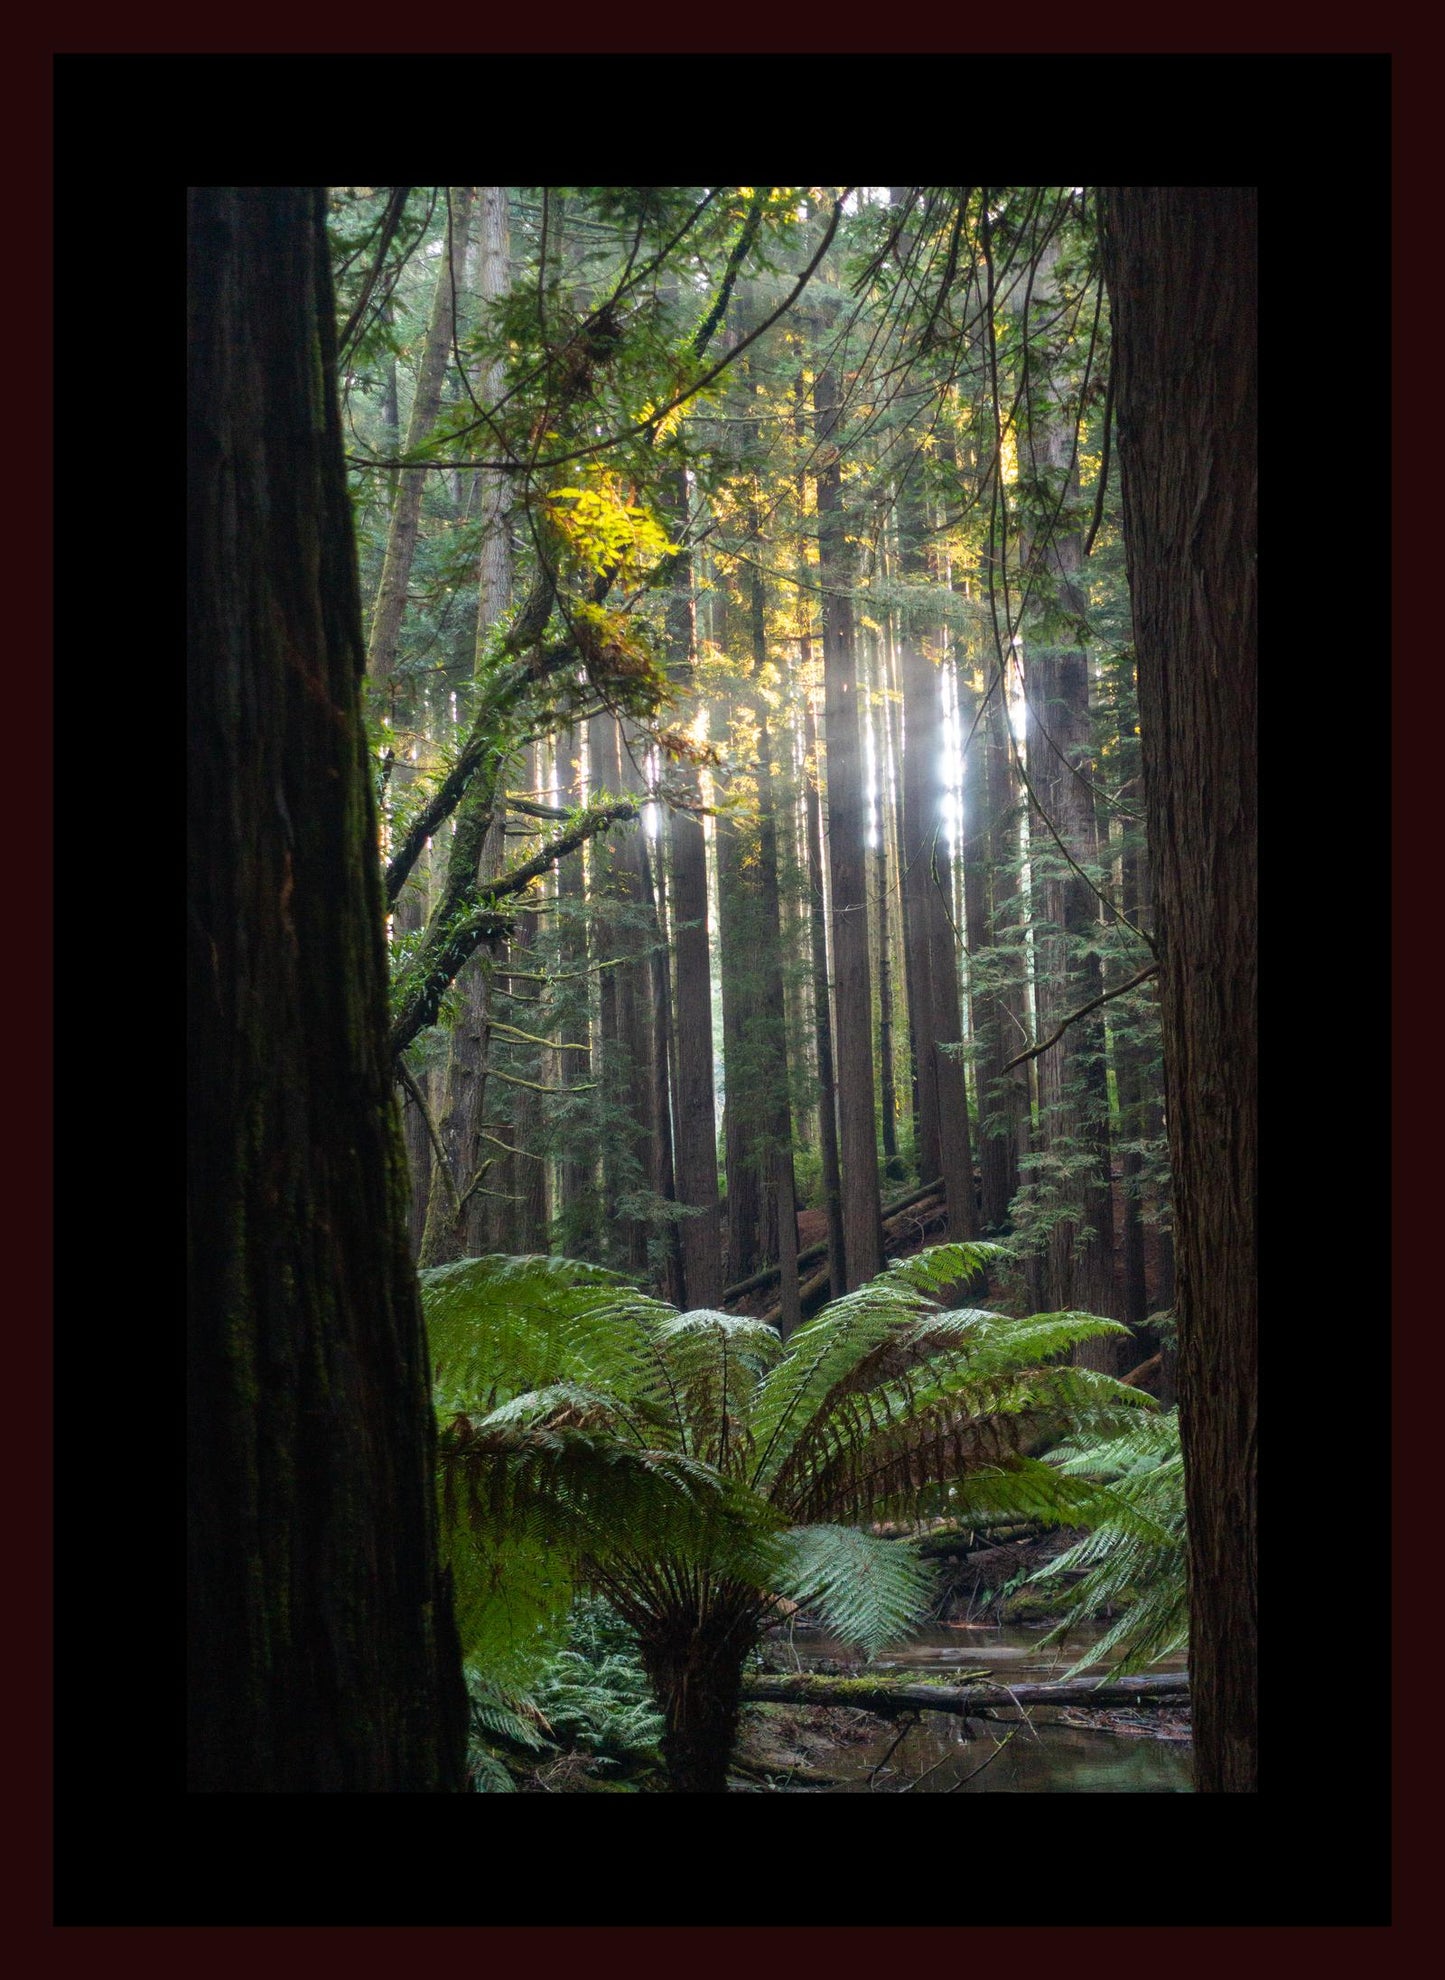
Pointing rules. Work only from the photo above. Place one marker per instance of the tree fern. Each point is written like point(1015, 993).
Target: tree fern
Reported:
point(593, 1437)
point(1137, 1554)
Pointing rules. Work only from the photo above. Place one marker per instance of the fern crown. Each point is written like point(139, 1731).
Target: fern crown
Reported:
point(591, 1434)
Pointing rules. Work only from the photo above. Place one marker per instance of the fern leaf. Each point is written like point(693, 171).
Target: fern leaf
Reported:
point(867, 1590)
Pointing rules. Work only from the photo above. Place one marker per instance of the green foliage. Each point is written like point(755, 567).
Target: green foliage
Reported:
point(595, 1696)
point(1137, 1556)
point(865, 1589)
point(592, 1436)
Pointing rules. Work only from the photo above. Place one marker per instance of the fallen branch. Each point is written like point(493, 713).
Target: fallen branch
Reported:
point(976, 1693)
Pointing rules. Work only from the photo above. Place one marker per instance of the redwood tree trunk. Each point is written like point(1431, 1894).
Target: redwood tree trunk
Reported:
point(322, 1653)
point(694, 1114)
point(1181, 264)
point(847, 856)
point(390, 604)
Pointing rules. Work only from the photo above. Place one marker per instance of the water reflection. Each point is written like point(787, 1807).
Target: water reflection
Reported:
point(936, 1756)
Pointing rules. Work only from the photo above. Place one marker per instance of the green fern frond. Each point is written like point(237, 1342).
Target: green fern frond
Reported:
point(867, 1590)
point(505, 1714)
point(716, 1361)
point(975, 1403)
point(487, 1775)
point(1138, 1555)
point(498, 1327)
point(563, 1405)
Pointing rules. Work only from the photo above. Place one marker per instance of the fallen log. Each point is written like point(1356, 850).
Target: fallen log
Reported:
point(816, 1251)
point(975, 1694)
point(813, 1292)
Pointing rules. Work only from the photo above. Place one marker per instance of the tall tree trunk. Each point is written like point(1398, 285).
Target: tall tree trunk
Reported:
point(881, 890)
point(1073, 1091)
point(522, 1224)
point(823, 1019)
point(664, 1062)
point(462, 1219)
point(740, 945)
point(322, 1656)
point(695, 1151)
point(779, 1125)
point(919, 683)
point(390, 604)
point(1010, 1095)
point(847, 853)
point(572, 1014)
point(637, 1042)
point(997, 1152)
point(1182, 265)
point(928, 894)
point(817, 899)
point(619, 1125)
point(1129, 1076)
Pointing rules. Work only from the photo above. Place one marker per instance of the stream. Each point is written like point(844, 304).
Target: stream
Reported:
point(1042, 1757)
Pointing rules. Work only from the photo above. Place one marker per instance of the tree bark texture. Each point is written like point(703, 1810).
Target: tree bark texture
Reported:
point(694, 1663)
point(1181, 263)
point(321, 1650)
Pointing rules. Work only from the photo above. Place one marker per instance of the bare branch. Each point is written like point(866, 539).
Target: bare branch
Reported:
point(1083, 1011)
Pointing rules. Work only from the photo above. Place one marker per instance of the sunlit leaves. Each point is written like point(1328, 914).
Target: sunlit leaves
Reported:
point(604, 532)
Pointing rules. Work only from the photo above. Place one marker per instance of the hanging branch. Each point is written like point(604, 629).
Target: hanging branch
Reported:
point(416, 1093)
point(1083, 1011)
point(388, 225)
point(1098, 516)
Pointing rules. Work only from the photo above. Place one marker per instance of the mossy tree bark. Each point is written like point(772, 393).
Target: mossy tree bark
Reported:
point(322, 1652)
point(1181, 263)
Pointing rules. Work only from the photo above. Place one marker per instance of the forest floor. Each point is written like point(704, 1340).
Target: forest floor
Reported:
point(784, 1749)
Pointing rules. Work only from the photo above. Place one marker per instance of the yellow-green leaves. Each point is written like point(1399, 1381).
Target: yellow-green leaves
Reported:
point(606, 533)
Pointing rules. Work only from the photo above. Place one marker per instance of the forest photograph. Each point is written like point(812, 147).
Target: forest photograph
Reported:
point(722, 1051)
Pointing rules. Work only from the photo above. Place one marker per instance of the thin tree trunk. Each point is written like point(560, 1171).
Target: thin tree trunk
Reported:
point(1073, 1092)
point(887, 1086)
point(572, 1012)
point(779, 1126)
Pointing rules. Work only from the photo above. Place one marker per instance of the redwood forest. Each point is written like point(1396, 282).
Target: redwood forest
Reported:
point(721, 919)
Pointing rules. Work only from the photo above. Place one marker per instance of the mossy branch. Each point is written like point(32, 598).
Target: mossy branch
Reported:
point(475, 916)
point(531, 1038)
